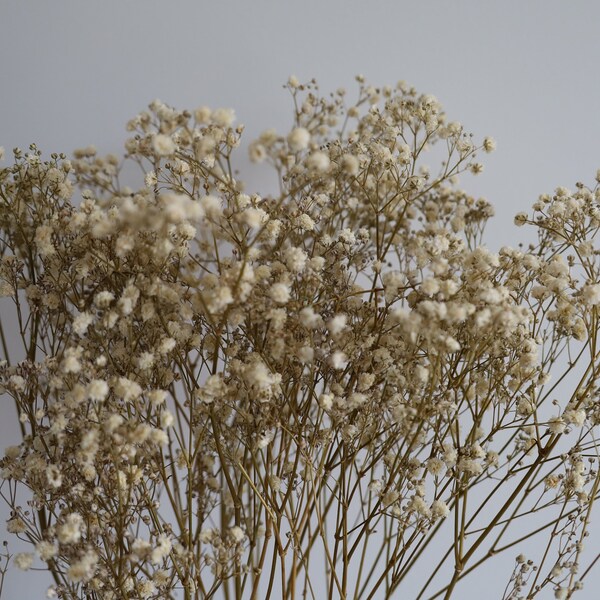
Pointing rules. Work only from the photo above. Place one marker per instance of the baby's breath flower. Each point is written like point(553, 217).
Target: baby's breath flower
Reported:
point(166, 345)
point(82, 322)
point(298, 139)
point(254, 217)
point(161, 550)
point(560, 593)
point(17, 383)
point(83, 569)
point(326, 401)
point(202, 114)
point(146, 360)
point(338, 360)
point(163, 145)
point(418, 505)
point(390, 497)
point(520, 219)
point(43, 240)
point(237, 534)
point(280, 292)
point(16, 525)
point(435, 465)
point(127, 389)
point(157, 397)
point(211, 206)
point(69, 532)
point(147, 589)
point(309, 318)
point(350, 164)
point(439, 509)
point(71, 362)
point(97, 390)
point(54, 476)
point(166, 419)
point(318, 161)
point(150, 179)
point(591, 294)
point(469, 466)
point(489, 144)
point(198, 361)
point(46, 550)
point(295, 259)
point(12, 452)
point(305, 222)
point(23, 560)
point(337, 324)
point(103, 299)
point(224, 117)
point(556, 425)
point(257, 152)
point(575, 417)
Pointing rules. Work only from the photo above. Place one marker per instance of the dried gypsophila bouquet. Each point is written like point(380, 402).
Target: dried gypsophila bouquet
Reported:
point(228, 395)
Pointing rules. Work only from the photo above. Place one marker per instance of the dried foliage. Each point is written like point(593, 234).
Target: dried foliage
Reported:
point(228, 395)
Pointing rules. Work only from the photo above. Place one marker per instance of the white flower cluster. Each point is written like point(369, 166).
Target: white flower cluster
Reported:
point(209, 374)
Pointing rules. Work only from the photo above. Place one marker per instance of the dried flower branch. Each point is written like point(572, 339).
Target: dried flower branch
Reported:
point(236, 395)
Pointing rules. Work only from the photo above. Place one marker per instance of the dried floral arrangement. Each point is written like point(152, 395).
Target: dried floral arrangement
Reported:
point(228, 395)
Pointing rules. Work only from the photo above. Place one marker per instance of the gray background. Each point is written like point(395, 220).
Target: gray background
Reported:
point(526, 72)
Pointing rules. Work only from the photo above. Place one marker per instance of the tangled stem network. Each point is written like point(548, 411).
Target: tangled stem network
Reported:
point(224, 394)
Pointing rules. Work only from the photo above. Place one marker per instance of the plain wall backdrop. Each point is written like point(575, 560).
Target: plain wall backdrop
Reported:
point(526, 72)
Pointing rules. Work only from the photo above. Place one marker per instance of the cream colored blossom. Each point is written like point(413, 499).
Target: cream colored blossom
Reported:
point(97, 390)
point(257, 152)
point(83, 569)
point(337, 324)
point(439, 509)
point(16, 525)
point(46, 550)
point(306, 222)
point(23, 560)
point(591, 294)
point(435, 465)
point(338, 360)
point(200, 368)
point(202, 114)
point(298, 139)
point(237, 534)
point(254, 217)
point(489, 144)
point(82, 322)
point(163, 145)
point(103, 299)
point(69, 532)
point(43, 240)
point(161, 550)
point(318, 161)
point(280, 292)
point(224, 117)
point(127, 389)
point(575, 417)
point(295, 259)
